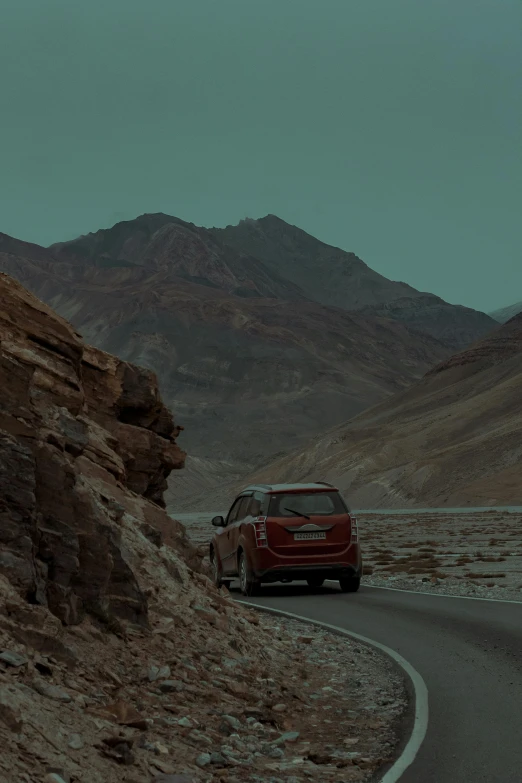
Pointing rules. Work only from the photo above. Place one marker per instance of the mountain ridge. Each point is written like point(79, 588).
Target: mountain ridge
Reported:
point(335, 277)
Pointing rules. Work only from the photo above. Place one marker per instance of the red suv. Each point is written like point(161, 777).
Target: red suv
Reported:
point(287, 532)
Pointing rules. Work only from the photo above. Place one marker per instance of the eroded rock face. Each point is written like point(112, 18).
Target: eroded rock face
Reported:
point(84, 442)
point(124, 400)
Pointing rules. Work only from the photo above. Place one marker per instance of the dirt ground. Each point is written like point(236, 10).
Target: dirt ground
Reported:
point(460, 554)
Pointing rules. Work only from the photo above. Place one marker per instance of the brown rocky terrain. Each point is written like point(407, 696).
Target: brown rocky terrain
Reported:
point(251, 365)
point(453, 439)
point(119, 660)
point(335, 277)
point(466, 553)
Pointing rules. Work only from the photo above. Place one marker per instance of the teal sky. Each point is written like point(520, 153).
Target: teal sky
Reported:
point(392, 128)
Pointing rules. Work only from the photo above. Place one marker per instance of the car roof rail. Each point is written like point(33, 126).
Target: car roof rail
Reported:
point(259, 486)
point(326, 483)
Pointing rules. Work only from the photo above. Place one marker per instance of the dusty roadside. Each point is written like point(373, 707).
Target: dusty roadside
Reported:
point(472, 554)
point(212, 693)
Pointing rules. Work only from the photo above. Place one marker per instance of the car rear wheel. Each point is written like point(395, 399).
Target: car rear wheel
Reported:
point(350, 584)
point(247, 582)
point(315, 582)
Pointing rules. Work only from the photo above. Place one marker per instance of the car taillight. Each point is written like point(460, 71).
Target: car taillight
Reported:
point(260, 531)
point(355, 530)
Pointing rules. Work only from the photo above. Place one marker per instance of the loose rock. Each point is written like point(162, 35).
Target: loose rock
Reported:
point(13, 659)
point(76, 742)
point(171, 686)
point(51, 691)
point(203, 760)
point(289, 736)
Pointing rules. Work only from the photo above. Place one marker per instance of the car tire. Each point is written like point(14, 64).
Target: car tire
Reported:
point(350, 584)
point(248, 584)
point(217, 573)
point(315, 582)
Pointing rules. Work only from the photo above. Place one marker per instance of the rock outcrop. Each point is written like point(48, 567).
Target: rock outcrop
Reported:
point(84, 441)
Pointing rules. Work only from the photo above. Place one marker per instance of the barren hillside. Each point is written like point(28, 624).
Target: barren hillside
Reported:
point(453, 438)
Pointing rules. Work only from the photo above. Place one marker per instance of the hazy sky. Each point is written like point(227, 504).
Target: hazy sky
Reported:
point(392, 128)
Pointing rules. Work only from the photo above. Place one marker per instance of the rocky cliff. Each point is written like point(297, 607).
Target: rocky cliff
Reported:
point(84, 441)
point(452, 439)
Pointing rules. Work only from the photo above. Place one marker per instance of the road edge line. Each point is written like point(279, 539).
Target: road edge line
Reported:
point(438, 595)
point(420, 690)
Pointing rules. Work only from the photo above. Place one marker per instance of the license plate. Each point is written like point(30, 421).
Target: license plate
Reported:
point(309, 536)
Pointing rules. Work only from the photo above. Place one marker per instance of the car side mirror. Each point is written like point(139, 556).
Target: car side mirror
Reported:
point(218, 522)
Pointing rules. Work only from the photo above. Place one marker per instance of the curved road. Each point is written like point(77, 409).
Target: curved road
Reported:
point(469, 653)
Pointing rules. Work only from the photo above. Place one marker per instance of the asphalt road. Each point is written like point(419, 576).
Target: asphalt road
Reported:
point(469, 653)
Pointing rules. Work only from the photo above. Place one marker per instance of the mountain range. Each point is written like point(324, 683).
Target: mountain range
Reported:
point(261, 335)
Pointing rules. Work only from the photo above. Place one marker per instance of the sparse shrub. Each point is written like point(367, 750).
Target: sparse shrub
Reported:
point(474, 575)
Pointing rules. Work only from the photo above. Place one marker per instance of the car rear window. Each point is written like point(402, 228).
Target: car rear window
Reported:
point(311, 504)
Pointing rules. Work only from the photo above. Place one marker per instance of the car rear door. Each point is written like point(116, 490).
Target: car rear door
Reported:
point(320, 525)
point(231, 536)
point(225, 545)
point(235, 527)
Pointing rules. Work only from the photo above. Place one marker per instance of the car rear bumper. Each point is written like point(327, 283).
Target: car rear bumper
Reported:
point(303, 572)
point(269, 566)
